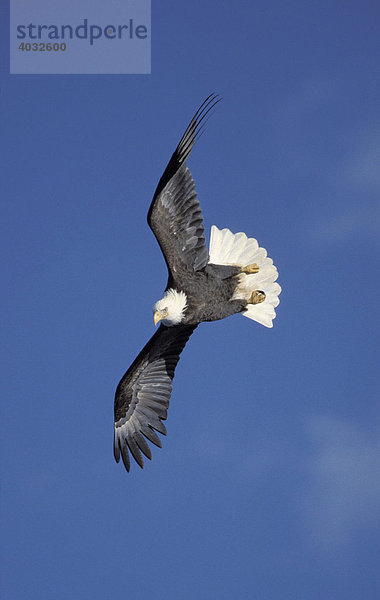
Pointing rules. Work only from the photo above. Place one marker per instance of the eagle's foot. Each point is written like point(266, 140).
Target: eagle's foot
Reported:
point(257, 297)
point(250, 269)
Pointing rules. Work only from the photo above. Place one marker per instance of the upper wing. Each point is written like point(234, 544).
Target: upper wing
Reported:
point(175, 216)
point(143, 394)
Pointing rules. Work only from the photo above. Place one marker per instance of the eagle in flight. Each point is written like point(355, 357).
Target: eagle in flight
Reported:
point(234, 276)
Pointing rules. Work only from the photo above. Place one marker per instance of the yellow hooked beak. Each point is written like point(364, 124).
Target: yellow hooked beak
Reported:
point(157, 316)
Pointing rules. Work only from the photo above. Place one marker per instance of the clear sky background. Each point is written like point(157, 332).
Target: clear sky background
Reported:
point(267, 485)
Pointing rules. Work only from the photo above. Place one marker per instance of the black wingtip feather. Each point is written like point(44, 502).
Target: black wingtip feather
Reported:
point(135, 451)
point(159, 426)
point(195, 128)
point(116, 448)
point(125, 457)
point(140, 441)
point(193, 132)
point(151, 435)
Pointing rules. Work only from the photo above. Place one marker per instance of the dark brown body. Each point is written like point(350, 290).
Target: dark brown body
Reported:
point(209, 293)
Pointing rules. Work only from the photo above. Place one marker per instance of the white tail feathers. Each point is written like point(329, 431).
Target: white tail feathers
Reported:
point(227, 248)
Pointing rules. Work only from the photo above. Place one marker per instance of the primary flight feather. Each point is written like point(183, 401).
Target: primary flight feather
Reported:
point(233, 276)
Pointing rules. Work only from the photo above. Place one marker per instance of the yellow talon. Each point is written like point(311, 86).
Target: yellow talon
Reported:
point(250, 269)
point(257, 297)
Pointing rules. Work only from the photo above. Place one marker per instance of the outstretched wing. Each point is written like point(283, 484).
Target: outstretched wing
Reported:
point(175, 216)
point(143, 394)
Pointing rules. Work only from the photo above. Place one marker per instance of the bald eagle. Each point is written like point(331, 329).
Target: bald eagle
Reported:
point(233, 276)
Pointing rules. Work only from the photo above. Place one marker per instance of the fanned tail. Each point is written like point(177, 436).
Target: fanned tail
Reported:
point(227, 248)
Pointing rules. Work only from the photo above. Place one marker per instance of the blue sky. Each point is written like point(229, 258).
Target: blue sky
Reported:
point(267, 485)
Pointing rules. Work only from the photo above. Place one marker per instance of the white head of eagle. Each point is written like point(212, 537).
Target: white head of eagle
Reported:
point(170, 310)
